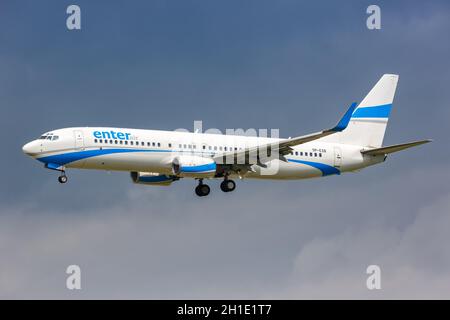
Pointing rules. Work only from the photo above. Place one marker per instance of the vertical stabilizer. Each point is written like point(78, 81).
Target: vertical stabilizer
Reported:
point(369, 120)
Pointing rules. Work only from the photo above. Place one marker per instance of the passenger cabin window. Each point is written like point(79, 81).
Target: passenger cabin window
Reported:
point(170, 145)
point(95, 140)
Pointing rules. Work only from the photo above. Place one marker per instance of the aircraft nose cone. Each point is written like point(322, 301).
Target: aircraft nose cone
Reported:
point(29, 148)
point(26, 148)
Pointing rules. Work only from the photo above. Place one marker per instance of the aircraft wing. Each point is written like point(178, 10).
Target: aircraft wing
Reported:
point(283, 147)
point(393, 148)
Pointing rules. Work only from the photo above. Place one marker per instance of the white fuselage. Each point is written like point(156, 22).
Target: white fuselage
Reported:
point(136, 150)
point(155, 157)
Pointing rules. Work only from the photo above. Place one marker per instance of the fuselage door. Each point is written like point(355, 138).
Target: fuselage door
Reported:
point(337, 157)
point(204, 149)
point(79, 139)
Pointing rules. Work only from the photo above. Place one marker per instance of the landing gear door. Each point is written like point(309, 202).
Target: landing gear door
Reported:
point(79, 139)
point(337, 157)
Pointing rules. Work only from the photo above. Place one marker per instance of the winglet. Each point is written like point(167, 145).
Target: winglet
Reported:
point(343, 123)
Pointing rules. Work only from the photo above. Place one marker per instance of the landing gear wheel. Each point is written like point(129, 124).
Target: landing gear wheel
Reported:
point(227, 185)
point(62, 178)
point(202, 190)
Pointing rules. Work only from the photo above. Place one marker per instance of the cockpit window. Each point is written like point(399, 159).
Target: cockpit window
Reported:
point(48, 136)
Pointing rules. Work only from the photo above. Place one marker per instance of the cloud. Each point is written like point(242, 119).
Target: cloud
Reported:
point(414, 262)
point(156, 244)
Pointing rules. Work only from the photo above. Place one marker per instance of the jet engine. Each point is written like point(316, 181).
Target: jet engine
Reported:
point(194, 167)
point(152, 178)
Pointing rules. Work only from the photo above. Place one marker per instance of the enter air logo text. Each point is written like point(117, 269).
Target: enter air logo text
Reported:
point(111, 135)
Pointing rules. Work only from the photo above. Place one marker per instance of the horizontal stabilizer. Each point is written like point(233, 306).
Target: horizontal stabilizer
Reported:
point(394, 148)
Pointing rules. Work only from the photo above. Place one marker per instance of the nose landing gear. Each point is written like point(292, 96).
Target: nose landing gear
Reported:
point(202, 189)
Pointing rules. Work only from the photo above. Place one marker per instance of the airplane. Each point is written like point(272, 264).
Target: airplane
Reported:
point(156, 157)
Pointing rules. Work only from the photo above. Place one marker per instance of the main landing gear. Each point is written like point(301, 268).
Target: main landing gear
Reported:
point(62, 178)
point(227, 185)
point(202, 189)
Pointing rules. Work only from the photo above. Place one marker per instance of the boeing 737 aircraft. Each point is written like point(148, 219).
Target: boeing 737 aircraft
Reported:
point(156, 157)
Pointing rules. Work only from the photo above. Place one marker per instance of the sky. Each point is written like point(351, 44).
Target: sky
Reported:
point(289, 65)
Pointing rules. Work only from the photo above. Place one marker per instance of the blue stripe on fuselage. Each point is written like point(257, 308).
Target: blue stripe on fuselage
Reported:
point(65, 158)
point(324, 168)
point(381, 111)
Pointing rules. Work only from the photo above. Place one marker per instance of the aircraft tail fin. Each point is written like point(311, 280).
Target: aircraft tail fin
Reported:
point(369, 120)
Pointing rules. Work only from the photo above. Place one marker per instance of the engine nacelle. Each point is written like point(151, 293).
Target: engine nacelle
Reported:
point(151, 178)
point(194, 166)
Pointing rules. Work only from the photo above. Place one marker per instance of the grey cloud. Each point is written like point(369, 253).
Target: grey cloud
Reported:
point(159, 245)
point(414, 262)
point(293, 65)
